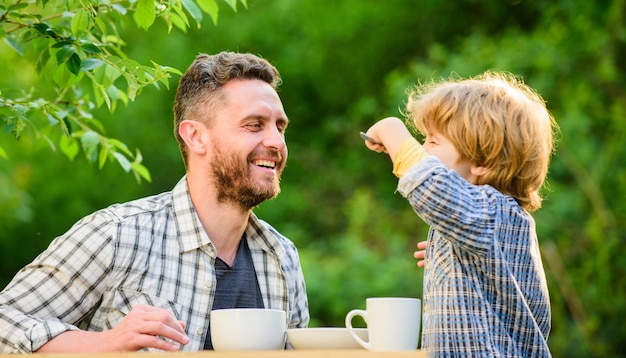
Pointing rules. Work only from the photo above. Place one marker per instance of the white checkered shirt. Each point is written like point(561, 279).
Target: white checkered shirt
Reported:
point(150, 251)
point(485, 292)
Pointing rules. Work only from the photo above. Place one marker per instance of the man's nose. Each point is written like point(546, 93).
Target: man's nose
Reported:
point(274, 138)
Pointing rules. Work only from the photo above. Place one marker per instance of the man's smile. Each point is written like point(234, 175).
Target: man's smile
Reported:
point(264, 163)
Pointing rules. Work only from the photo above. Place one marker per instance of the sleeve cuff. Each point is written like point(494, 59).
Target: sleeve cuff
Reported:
point(409, 153)
point(41, 334)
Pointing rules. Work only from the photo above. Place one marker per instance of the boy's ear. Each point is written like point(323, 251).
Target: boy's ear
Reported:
point(478, 171)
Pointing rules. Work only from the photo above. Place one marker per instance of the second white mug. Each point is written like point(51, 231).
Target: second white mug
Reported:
point(393, 323)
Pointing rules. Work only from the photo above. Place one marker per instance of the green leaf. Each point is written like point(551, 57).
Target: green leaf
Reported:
point(63, 77)
point(80, 22)
point(169, 69)
point(90, 141)
point(193, 10)
point(142, 73)
point(52, 120)
point(210, 7)
point(17, 6)
point(42, 28)
point(102, 158)
point(124, 163)
point(69, 146)
point(142, 171)
point(232, 4)
point(44, 56)
point(119, 8)
point(14, 44)
point(130, 65)
point(17, 123)
point(106, 75)
point(139, 170)
point(37, 104)
point(73, 64)
point(121, 146)
point(179, 18)
point(100, 95)
point(133, 87)
point(90, 64)
point(63, 43)
point(112, 93)
point(122, 97)
point(20, 110)
point(67, 125)
point(91, 48)
point(100, 25)
point(57, 116)
point(145, 14)
point(3, 154)
point(28, 18)
point(93, 122)
point(64, 53)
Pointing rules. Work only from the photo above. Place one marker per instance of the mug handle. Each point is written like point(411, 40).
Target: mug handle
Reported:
point(349, 317)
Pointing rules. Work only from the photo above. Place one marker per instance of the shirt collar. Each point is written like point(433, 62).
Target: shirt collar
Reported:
point(192, 236)
point(262, 235)
point(190, 232)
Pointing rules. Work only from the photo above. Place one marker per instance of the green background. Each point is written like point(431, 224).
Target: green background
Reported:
point(346, 64)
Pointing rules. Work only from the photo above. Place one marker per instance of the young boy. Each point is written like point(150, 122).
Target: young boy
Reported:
point(475, 180)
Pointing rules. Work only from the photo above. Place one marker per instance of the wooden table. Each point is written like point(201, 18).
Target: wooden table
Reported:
point(322, 353)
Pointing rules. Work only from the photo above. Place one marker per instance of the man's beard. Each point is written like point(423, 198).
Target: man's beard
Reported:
point(234, 185)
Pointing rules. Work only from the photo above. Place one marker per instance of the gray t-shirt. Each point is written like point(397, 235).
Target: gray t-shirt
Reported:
point(237, 285)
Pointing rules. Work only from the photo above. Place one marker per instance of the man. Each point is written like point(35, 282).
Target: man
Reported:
point(146, 274)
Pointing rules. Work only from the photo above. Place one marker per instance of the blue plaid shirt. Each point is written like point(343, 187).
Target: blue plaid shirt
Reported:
point(485, 292)
point(149, 251)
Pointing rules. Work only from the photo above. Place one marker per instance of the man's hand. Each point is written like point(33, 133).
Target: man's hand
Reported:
point(143, 327)
point(420, 254)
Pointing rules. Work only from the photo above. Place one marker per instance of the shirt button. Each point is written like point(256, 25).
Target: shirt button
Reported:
point(207, 284)
point(199, 332)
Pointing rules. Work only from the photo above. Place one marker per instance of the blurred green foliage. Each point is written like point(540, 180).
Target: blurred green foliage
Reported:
point(345, 64)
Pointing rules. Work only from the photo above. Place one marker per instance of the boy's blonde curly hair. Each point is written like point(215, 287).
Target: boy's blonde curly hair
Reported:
point(493, 120)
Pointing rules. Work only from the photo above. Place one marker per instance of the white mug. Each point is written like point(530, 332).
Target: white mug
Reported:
point(393, 323)
point(248, 329)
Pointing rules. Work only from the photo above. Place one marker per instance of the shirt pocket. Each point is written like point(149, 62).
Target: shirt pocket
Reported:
point(118, 303)
point(125, 300)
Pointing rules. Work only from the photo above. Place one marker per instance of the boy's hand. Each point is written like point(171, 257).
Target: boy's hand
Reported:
point(420, 254)
point(372, 144)
point(386, 135)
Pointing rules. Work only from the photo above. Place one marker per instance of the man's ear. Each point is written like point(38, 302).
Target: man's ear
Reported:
point(194, 134)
